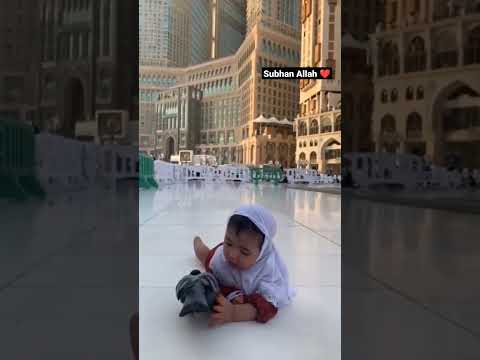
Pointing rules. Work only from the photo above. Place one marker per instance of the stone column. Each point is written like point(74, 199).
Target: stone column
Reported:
point(401, 53)
point(428, 50)
point(431, 9)
point(460, 43)
point(399, 13)
point(422, 16)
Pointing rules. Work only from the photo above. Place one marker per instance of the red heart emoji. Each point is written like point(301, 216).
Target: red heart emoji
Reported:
point(325, 73)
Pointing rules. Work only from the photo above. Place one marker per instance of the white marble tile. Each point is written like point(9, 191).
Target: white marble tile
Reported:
point(155, 240)
point(309, 328)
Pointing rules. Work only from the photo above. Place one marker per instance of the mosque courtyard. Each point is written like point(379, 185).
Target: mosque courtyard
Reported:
point(308, 238)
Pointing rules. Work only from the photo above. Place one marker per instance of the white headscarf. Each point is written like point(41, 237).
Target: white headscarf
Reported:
point(269, 276)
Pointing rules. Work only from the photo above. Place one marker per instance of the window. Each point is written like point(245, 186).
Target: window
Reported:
point(420, 93)
point(415, 59)
point(384, 96)
point(409, 93)
point(472, 50)
point(394, 95)
point(414, 126)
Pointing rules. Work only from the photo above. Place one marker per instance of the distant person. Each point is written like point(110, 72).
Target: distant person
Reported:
point(253, 277)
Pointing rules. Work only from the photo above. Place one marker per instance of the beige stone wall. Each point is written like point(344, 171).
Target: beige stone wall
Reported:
point(321, 46)
point(438, 77)
point(313, 140)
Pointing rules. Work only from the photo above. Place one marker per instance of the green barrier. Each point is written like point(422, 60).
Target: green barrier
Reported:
point(146, 173)
point(17, 161)
point(266, 173)
point(255, 175)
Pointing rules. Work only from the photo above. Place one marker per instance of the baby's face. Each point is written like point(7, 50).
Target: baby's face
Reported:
point(241, 250)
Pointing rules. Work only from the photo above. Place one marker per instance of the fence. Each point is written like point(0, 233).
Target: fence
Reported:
point(17, 161)
point(147, 172)
point(404, 170)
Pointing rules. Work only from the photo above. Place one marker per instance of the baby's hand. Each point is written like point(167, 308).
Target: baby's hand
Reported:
point(223, 312)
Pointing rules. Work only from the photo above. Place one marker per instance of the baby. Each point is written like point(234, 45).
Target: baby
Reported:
point(253, 277)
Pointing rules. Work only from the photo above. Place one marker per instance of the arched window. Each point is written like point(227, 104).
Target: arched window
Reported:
point(414, 126)
point(332, 150)
point(415, 60)
point(384, 96)
point(409, 93)
point(325, 124)
point(472, 50)
point(314, 127)
point(394, 95)
point(387, 124)
point(420, 93)
point(313, 159)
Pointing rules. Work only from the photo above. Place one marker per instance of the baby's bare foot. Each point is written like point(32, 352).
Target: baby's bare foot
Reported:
point(201, 250)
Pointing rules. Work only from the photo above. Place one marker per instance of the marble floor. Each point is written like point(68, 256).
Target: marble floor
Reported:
point(410, 282)
point(308, 238)
point(69, 275)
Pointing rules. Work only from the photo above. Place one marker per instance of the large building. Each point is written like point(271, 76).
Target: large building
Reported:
point(19, 42)
point(273, 12)
point(426, 77)
point(318, 125)
point(151, 83)
point(174, 32)
point(228, 27)
point(87, 63)
point(244, 119)
point(180, 33)
point(359, 19)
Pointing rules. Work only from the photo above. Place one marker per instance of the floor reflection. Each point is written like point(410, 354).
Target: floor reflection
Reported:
point(431, 257)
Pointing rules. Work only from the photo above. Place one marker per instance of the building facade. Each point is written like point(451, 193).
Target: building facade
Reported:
point(178, 112)
point(87, 63)
point(244, 119)
point(359, 20)
point(357, 96)
point(151, 83)
point(273, 12)
point(426, 80)
point(318, 126)
point(228, 27)
point(19, 39)
point(173, 32)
